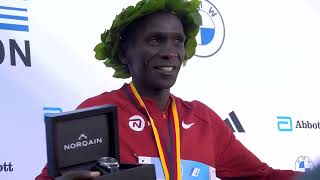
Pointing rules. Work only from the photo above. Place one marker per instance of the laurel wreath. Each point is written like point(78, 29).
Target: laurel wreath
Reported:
point(187, 11)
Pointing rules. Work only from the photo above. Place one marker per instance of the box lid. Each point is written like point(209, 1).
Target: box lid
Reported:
point(78, 138)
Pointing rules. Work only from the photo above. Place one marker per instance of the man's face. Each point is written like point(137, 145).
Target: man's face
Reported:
point(155, 56)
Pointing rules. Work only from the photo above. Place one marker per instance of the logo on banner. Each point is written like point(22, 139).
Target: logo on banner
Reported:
point(285, 123)
point(212, 32)
point(13, 49)
point(14, 18)
point(236, 123)
point(304, 164)
point(136, 123)
point(83, 141)
point(6, 167)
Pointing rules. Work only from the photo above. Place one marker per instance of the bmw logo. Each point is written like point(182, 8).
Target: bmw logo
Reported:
point(304, 164)
point(211, 34)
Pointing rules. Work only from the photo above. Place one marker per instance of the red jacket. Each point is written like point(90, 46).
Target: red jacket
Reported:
point(207, 141)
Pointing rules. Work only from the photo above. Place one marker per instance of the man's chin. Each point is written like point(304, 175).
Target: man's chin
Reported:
point(164, 84)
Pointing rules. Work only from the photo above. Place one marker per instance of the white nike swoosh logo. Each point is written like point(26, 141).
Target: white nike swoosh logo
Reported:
point(186, 126)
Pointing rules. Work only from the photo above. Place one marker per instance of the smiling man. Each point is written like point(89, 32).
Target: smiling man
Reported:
point(154, 55)
point(150, 42)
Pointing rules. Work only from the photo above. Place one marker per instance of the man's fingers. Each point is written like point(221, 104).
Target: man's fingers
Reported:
point(79, 175)
point(94, 173)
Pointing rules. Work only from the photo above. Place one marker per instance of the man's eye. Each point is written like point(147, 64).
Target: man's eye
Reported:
point(154, 41)
point(178, 41)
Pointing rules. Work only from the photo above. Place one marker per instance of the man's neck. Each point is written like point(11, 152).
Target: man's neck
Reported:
point(160, 96)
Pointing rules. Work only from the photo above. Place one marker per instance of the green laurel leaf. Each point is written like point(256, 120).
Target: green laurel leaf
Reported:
point(190, 48)
point(101, 51)
point(121, 72)
point(186, 10)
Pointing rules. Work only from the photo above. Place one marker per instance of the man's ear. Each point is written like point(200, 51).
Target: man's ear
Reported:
point(122, 58)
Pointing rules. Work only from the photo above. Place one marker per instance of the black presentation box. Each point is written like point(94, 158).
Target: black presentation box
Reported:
point(77, 139)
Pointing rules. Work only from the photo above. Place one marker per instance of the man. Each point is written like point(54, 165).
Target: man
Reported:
point(150, 42)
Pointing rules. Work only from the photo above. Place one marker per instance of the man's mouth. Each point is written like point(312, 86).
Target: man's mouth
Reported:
point(165, 68)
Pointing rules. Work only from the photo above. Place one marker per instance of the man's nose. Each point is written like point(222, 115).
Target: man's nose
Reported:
point(169, 55)
point(168, 51)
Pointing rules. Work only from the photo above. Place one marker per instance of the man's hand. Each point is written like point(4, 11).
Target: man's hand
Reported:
point(79, 175)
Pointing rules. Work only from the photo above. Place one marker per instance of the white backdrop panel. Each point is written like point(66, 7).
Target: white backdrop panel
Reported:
point(268, 66)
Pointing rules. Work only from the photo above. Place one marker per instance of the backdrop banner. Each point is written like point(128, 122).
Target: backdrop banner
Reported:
point(256, 65)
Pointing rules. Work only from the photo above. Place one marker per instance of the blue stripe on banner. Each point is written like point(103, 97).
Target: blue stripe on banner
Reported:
point(57, 109)
point(51, 110)
point(4, 16)
point(13, 8)
point(14, 27)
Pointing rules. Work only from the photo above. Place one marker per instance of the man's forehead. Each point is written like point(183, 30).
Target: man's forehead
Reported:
point(163, 15)
point(160, 22)
point(162, 32)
